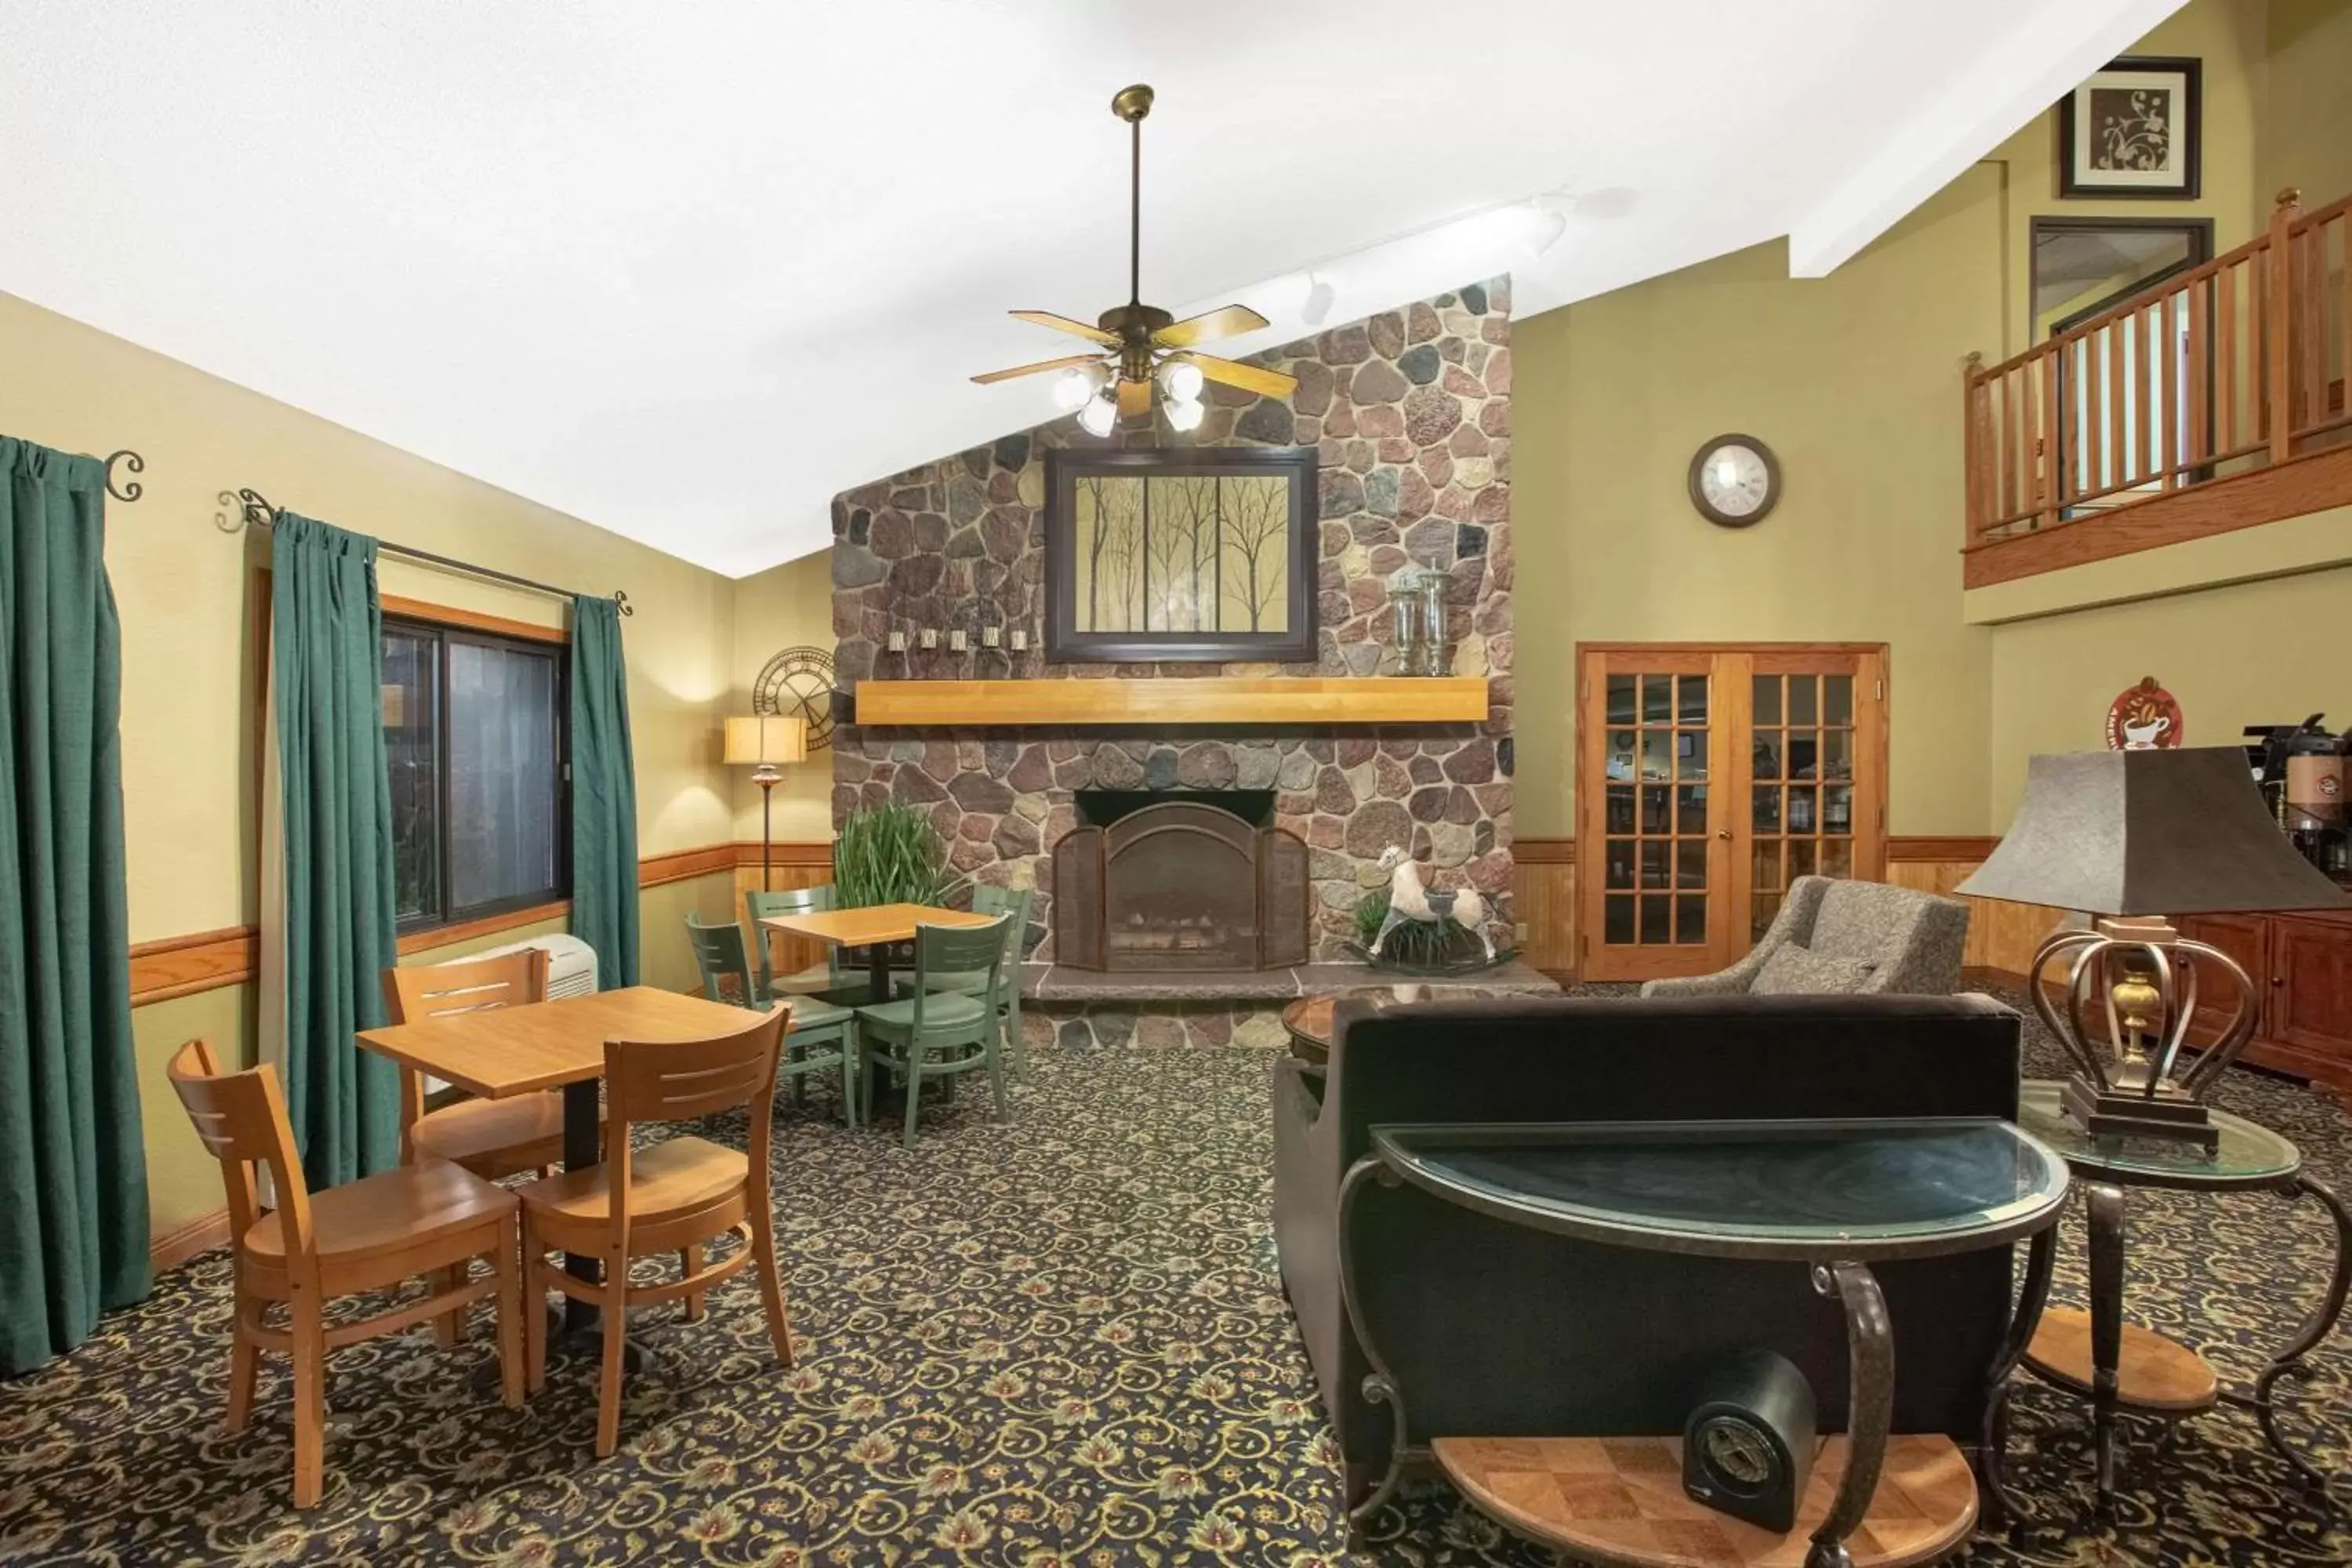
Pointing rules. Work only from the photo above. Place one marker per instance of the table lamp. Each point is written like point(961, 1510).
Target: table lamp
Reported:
point(2134, 837)
point(762, 742)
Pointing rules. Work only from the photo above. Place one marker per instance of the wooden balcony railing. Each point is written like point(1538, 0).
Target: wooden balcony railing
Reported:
point(2230, 368)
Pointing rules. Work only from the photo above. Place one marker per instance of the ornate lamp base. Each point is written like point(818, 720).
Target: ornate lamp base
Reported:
point(2108, 1112)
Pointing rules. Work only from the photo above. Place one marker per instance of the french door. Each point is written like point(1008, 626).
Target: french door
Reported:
point(1709, 777)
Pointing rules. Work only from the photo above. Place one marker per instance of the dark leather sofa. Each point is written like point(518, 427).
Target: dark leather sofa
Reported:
point(1498, 1330)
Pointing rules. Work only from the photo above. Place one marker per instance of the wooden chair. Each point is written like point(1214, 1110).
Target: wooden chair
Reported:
point(491, 1138)
point(823, 1034)
point(829, 980)
point(430, 1219)
point(936, 1032)
point(989, 900)
point(671, 1197)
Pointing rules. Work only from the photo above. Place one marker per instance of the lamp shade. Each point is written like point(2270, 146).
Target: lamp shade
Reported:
point(2180, 832)
point(766, 739)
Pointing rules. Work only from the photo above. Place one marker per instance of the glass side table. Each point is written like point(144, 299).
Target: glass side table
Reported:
point(1836, 1195)
point(2137, 1370)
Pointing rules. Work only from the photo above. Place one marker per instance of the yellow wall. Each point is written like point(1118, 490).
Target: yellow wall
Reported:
point(2309, 123)
point(190, 601)
point(786, 607)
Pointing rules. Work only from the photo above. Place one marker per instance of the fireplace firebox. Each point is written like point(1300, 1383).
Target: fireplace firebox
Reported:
point(1178, 883)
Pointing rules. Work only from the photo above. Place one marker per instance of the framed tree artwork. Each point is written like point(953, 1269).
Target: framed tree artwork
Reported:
point(2132, 131)
point(1197, 553)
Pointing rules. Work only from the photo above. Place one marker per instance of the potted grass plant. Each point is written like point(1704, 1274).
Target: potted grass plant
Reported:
point(891, 854)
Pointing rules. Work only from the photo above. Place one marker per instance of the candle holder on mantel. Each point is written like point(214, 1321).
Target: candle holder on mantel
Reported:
point(1417, 603)
point(2134, 838)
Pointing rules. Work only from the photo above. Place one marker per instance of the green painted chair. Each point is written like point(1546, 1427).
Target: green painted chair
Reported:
point(936, 1032)
point(821, 1035)
point(829, 980)
point(989, 900)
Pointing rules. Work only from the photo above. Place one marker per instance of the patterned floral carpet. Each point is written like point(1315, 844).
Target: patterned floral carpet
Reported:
point(1061, 1341)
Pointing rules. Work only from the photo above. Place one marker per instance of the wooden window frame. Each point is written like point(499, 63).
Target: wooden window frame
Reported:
point(446, 625)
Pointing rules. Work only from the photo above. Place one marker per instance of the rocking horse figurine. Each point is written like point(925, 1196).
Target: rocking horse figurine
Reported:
point(1409, 900)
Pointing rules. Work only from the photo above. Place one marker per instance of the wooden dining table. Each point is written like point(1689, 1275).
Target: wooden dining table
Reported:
point(500, 1052)
point(876, 928)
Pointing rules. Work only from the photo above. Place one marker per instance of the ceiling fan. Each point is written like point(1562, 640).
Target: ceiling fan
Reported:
point(1142, 342)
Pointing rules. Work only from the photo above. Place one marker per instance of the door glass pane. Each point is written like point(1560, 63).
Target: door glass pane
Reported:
point(1654, 863)
point(1768, 809)
point(1621, 808)
point(1690, 919)
point(1800, 808)
point(1657, 919)
point(1620, 873)
point(1617, 922)
point(1691, 708)
point(1657, 699)
point(410, 680)
point(1837, 857)
point(1800, 859)
point(1621, 700)
point(1621, 754)
point(1656, 753)
point(1654, 808)
point(1837, 700)
point(1767, 905)
point(1767, 699)
point(1837, 754)
point(1837, 808)
point(1804, 755)
point(1690, 808)
point(1764, 754)
point(1802, 709)
point(1690, 752)
point(1764, 867)
point(1690, 864)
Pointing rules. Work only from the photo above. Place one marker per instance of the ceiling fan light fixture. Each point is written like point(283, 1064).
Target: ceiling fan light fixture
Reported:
point(1101, 415)
point(1080, 382)
point(1185, 413)
point(1182, 380)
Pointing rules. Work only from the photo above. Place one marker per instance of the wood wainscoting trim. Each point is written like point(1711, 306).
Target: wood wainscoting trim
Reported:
point(685, 865)
point(1921, 848)
point(202, 961)
point(174, 1247)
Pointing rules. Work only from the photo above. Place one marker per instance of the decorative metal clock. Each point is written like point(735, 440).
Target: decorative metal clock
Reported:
point(799, 681)
point(1733, 480)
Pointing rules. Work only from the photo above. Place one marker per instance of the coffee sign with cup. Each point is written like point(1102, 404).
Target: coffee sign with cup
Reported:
point(2144, 718)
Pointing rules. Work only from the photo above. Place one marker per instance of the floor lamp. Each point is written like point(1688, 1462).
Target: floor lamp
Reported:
point(764, 743)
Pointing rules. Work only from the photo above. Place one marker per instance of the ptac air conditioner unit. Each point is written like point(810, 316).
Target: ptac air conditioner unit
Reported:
point(571, 964)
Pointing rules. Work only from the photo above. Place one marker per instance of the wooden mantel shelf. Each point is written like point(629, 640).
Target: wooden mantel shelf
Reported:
point(1365, 700)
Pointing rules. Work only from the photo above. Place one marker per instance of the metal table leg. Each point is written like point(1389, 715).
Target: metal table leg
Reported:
point(2105, 1204)
point(1870, 1412)
point(2289, 1358)
point(1379, 1386)
point(1992, 1454)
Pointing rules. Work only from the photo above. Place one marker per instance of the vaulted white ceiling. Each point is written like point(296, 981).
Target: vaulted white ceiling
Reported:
point(687, 271)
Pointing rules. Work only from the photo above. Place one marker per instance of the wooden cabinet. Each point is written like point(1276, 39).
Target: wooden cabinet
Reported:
point(2302, 968)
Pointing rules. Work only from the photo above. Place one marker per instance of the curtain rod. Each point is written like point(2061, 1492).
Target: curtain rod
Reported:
point(252, 508)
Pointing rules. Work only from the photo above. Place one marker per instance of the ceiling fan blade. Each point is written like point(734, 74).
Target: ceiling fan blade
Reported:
point(1231, 321)
point(1064, 324)
point(1066, 363)
point(1134, 398)
point(1248, 378)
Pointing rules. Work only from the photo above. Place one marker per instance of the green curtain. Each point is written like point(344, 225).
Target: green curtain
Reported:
point(603, 793)
point(327, 666)
point(73, 1167)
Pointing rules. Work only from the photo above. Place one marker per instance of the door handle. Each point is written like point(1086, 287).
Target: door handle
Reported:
point(1723, 833)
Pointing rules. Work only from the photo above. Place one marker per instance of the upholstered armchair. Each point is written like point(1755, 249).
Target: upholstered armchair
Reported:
point(1835, 936)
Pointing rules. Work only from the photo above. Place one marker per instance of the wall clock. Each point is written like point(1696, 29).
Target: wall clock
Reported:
point(1733, 480)
point(799, 681)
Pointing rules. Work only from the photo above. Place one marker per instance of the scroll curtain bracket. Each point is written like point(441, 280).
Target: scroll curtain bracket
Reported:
point(130, 489)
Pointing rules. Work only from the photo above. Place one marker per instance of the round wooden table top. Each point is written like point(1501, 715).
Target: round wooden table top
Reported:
point(1619, 1501)
point(1309, 1019)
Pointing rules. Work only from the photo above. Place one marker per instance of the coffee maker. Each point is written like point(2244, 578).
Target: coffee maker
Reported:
point(2304, 773)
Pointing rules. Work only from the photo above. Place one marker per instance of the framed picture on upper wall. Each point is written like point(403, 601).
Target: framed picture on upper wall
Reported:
point(2131, 131)
point(1183, 554)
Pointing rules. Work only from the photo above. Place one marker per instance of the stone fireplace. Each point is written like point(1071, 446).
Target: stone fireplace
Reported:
point(1181, 882)
point(1410, 412)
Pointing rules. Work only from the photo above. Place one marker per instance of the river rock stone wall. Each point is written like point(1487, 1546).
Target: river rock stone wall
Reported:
point(1411, 414)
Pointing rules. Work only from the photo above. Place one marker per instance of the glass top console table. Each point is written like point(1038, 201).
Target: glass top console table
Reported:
point(2122, 1367)
point(1835, 1194)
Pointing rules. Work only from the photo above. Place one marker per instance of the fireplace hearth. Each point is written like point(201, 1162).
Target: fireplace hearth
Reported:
point(1179, 882)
